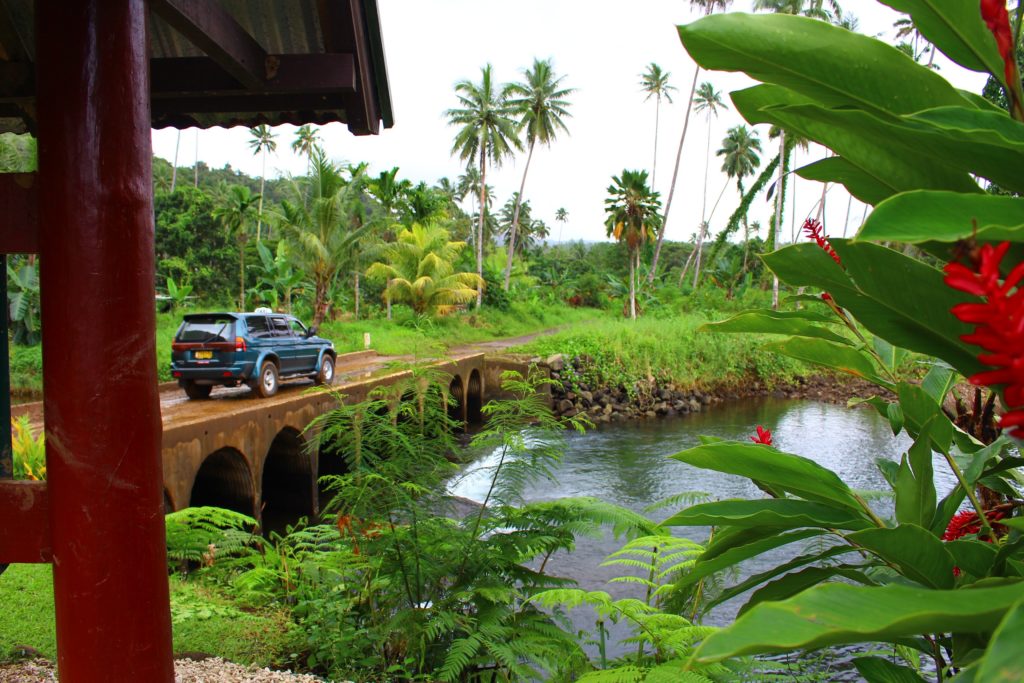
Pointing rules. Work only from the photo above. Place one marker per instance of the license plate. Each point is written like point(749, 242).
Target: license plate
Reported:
point(204, 355)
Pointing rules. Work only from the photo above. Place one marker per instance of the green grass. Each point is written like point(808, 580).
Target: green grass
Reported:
point(204, 620)
point(669, 349)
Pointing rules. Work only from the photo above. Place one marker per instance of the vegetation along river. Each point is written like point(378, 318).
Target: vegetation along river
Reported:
point(628, 464)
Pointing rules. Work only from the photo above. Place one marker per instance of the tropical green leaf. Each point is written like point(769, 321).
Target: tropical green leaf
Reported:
point(878, 670)
point(801, 323)
point(913, 550)
point(781, 513)
point(791, 584)
point(813, 58)
point(957, 29)
point(858, 182)
point(894, 296)
point(939, 380)
point(940, 216)
point(711, 562)
point(976, 557)
point(1004, 657)
point(915, 488)
point(846, 614)
point(830, 355)
point(791, 473)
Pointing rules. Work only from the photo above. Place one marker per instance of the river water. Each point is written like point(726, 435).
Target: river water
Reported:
point(628, 464)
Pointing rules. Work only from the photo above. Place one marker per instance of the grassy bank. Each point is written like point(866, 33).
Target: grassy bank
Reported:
point(202, 620)
point(669, 349)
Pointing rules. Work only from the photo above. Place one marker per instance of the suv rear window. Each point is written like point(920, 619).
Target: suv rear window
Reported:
point(210, 329)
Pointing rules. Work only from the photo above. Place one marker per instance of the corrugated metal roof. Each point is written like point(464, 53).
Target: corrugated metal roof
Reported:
point(292, 27)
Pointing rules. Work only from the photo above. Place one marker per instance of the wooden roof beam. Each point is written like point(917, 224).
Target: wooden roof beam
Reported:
point(300, 74)
point(342, 24)
point(212, 29)
point(12, 47)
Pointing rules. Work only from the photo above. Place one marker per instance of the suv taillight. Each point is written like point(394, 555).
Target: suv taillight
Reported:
point(239, 344)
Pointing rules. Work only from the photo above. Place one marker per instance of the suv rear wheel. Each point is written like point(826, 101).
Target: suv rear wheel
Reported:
point(265, 384)
point(326, 374)
point(197, 392)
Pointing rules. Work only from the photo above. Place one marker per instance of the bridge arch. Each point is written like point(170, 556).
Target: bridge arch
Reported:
point(287, 484)
point(168, 502)
point(457, 391)
point(327, 463)
point(225, 480)
point(474, 398)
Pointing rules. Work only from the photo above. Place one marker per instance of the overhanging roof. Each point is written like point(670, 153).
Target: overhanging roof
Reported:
point(235, 63)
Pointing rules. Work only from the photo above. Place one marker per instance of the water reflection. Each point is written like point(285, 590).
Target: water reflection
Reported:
point(628, 464)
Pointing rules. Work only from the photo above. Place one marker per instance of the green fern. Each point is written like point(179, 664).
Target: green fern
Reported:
point(204, 534)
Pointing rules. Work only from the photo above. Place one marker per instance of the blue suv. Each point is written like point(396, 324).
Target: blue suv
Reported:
point(258, 349)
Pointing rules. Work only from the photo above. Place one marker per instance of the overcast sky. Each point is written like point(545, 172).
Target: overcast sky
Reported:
point(601, 47)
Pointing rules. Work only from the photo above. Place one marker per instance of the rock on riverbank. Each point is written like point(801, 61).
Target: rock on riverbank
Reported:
point(572, 395)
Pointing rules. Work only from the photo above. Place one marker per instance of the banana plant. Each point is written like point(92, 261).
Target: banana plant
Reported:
point(23, 303)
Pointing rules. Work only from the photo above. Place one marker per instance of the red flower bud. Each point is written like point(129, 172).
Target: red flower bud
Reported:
point(816, 231)
point(764, 436)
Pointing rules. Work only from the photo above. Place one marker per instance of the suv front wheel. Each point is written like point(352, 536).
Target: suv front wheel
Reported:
point(265, 384)
point(326, 374)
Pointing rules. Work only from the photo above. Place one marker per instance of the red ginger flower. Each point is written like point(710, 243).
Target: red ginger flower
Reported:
point(764, 436)
point(967, 522)
point(998, 21)
point(998, 326)
point(816, 231)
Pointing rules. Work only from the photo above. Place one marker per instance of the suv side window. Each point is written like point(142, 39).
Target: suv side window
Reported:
point(258, 326)
point(298, 329)
point(280, 327)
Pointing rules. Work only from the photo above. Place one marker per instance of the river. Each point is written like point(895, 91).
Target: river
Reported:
point(628, 464)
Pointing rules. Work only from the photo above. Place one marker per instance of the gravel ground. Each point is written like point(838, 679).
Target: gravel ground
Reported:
point(212, 670)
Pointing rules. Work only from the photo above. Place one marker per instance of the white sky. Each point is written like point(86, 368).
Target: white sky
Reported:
point(601, 47)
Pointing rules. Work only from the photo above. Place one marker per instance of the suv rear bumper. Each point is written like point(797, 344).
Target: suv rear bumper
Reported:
point(220, 374)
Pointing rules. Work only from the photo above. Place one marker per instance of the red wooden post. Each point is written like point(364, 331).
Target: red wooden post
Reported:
point(102, 408)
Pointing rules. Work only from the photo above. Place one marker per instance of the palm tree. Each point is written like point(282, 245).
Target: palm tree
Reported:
point(262, 140)
point(486, 133)
point(826, 10)
point(306, 139)
point(740, 159)
point(541, 105)
point(235, 212)
point(562, 216)
point(419, 269)
point(709, 6)
point(174, 168)
point(707, 101)
point(325, 222)
point(632, 209)
point(654, 82)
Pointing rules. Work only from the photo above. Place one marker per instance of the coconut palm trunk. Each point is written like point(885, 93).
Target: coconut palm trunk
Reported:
point(515, 219)
point(632, 287)
point(778, 210)
point(657, 120)
point(259, 209)
point(675, 176)
point(480, 225)
point(174, 168)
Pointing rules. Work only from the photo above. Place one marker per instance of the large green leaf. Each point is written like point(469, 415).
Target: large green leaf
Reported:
point(878, 670)
point(776, 570)
point(914, 551)
point(1004, 657)
point(801, 323)
point(976, 557)
point(710, 563)
point(917, 156)
point(939, 379)
point(791, 584)
point(834, 614)
point(824, 62)
point(934, 215)
point(791, 473)
point(868, 146)
point(915, 488)
point(894, 296)
point(858, 182)
point(834, 356)
point(781, 513)
point(956, 28)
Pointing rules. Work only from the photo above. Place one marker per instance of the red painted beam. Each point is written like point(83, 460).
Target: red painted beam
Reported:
point(25, 531)
point(19, 221)
point(99, 357)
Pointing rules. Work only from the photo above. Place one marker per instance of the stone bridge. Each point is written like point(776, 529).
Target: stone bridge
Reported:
point(252, 456)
